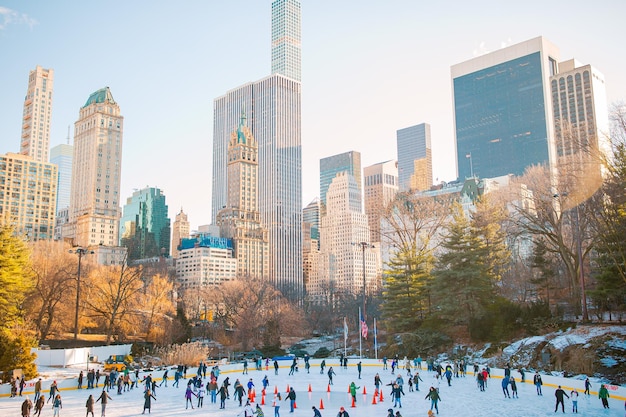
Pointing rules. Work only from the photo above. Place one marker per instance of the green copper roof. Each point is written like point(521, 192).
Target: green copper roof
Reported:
point(103, 95)
point(241, 136)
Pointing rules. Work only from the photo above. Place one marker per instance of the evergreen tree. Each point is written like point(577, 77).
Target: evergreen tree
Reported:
point(15, 276)
point(15, 353)
point(463, 280)
point(406, 291)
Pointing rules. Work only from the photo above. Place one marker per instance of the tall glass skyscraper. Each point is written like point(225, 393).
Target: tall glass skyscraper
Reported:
point(62, 155)
point(145, 227)
point(502, 110)
point(413, 144)
point(286, 43)
point(330, 166)
point(273, 108)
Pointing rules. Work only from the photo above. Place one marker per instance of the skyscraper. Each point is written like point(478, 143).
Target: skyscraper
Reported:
point(349, 162)
point(502, 110)
point(145, 227)
point(337, 269)
point(381, 187)
point(28, 191)
point(180, 230)
point(414, 150)
point(240, 220)
point(62, 155)
point(273, 109)
point(94, 202)
point(581, 119)
point(286, 43)
point(37, 113)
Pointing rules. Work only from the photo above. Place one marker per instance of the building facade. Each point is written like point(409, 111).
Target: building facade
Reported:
point(144, 227)
point(37, 114)
point(240, 220)
point(205, 260)
point(273, 109)
point(62, 156)
point(286, 42)
point(502, 110)
point(343, 265)
point(349, 162)
point(96, 172)
point(581, 119)
point(380, 188)
point(413, 144)
point(28, 191)
point(180, 230)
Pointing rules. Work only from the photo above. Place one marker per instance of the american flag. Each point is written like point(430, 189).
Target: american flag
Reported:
point(363, 327)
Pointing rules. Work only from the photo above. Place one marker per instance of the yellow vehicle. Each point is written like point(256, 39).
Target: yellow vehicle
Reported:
point(117, 362)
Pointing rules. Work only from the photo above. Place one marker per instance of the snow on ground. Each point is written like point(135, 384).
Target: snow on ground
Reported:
point(461, 399)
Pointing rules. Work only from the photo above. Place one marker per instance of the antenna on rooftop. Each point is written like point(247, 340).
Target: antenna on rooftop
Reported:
point(68, 134)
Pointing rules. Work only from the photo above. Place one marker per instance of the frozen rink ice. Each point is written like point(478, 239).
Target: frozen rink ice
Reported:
point(461, 399)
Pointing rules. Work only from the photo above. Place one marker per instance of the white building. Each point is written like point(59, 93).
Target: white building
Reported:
point(339, 267)
point(96, 172)
point(37, 114)
point(380, 188)
point(205, 260)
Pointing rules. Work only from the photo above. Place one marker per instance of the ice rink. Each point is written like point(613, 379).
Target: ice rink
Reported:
point(462, 398)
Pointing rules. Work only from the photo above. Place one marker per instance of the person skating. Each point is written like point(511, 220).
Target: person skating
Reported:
point(505, 387)
point(239, 392)
point(316, 412)
point(275, 367)
point(37, 390)
point(27, 405)
point(292, 399)
point(574, 397)
point(104, 399)
point(39, 404)
point(259, 411)
point(587, 386)
point(434, 397)
point(200, 396)
point(147, 403)
point(330, 375)
point(359, 368)
point(390, 412)
point(603, 394)
point(188, 394)
point(53, 391)
point(247, 410)
point(538, 383)
point(416, 381)
point(353, 389)
point(342, 412)
point(397, 394)
point(164, 378)
point(276, 404)
point(559, 394)
point(89, 404)
point(513, 387)
point(322, 366)
point(223, 395)
point(57, 405)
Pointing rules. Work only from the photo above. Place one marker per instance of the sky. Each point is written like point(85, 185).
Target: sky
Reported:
point(369, 68)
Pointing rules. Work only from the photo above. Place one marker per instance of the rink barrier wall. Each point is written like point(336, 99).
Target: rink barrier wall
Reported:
point(616, 392)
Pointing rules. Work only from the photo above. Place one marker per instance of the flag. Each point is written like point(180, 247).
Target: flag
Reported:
point(345, 329)
point(363, 327)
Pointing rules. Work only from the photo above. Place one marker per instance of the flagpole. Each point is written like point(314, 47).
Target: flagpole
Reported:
point(345, 337)
point(360, 336)
point(375, 340)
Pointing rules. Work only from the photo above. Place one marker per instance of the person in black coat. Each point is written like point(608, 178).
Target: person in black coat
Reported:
point(559, 394)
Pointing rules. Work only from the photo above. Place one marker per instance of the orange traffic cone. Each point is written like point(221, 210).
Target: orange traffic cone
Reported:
point(321, 404)
point(287, 388)
point(309, 387)
point(374, 399)
point(328, 390)
point(263, 399)
point(353, 404)
point(348, 389)
point(275, 389)
point(295, 405)
point(364, 391)
point(380, 400)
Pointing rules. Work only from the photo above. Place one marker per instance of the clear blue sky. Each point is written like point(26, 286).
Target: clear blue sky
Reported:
point(369, 68)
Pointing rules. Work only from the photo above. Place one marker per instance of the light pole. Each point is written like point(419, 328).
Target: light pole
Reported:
point(469, 156)
point(80, 252)
point(363, 246)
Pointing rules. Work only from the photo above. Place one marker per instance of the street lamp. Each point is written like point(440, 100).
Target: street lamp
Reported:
point(80, 252)
point(363, 246)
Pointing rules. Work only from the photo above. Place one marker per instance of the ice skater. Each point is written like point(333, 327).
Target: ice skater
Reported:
point(559, 394)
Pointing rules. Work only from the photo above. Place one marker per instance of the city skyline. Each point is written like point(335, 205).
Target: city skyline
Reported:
point(397, 74)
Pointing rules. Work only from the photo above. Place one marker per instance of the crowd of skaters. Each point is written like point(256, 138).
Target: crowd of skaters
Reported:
point(126, 381)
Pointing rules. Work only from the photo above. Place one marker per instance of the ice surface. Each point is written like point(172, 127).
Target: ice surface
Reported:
point(461, 399)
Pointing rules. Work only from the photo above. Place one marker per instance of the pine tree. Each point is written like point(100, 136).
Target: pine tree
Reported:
point(406, 291)
point(463, 283)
